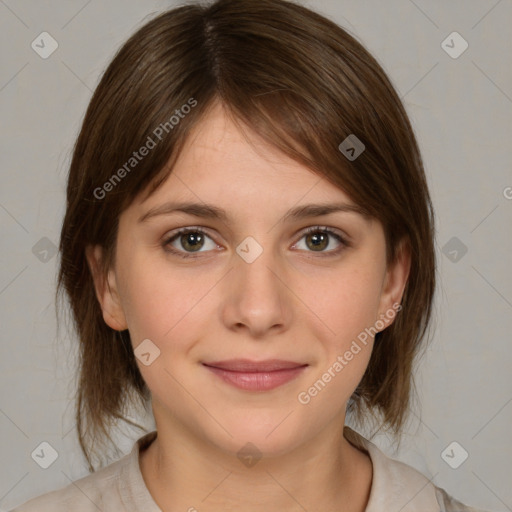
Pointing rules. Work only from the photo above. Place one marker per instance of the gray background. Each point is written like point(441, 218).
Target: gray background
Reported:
point(461, 110)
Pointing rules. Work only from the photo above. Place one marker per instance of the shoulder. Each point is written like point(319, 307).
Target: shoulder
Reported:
point(118, 486)
point(91, 493)
point(398, 486)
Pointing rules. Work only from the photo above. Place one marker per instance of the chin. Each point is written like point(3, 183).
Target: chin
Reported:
point(266, 433)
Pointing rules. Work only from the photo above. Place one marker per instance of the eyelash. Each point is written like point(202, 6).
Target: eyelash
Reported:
point(312, 229)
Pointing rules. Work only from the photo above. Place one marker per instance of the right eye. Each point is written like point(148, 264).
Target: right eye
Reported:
point(191, 240)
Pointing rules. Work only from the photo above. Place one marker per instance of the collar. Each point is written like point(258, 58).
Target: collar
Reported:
point(395, 485)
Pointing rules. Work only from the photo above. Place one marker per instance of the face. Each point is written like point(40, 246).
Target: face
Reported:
point(254, 326)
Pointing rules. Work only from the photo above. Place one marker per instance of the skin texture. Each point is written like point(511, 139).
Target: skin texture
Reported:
point(293, 303)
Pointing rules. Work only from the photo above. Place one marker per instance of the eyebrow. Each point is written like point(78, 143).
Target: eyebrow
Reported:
point(209, 211)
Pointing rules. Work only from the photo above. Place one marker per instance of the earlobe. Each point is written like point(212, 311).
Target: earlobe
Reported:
point(106, 290)
point(395, 282)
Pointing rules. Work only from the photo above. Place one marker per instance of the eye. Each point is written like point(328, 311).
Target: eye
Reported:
point(318, 238)
point(187, 241)
point(191, 240)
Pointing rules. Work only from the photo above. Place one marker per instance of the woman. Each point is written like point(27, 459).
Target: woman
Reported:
point(248, 245)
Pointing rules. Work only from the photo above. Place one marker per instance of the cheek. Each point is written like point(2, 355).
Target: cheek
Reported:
point(348, 306)
point(159, 300)
point(344, 302)
point(165, 305)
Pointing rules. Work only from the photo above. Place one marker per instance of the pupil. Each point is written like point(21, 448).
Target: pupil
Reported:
point(192, 241)
point(318, 239)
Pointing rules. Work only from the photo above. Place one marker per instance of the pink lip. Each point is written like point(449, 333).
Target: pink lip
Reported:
point(256, 375)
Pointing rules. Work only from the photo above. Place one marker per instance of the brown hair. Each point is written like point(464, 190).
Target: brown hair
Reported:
point(302, 83)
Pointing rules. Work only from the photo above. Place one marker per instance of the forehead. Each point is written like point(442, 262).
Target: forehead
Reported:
point(224, 162)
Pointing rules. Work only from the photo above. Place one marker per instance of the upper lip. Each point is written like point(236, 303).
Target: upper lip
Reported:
point(246, 365)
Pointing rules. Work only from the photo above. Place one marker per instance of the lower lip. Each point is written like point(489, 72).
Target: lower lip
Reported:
point(257, 381)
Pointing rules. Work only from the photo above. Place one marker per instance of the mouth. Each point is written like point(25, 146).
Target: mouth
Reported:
point(256, 375)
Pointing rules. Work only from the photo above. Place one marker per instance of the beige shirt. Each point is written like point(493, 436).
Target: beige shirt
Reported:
point(119, 487)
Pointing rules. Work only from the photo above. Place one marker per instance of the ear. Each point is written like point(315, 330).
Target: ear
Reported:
point(394, 284)
point(106, 289)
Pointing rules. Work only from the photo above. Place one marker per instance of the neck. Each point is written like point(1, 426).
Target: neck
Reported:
point(184, 473)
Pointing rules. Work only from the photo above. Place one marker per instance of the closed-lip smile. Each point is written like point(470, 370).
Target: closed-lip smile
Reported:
point(256, 375)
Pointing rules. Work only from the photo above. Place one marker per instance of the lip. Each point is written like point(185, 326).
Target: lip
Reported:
point(256, 375)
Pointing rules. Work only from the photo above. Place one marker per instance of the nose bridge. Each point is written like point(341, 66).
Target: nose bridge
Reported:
point(257, 266)
point(258, 297)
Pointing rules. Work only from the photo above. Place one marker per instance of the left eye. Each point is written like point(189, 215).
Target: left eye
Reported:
point(318, 239)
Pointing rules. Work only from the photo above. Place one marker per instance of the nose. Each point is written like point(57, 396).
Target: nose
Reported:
point(257, 297)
